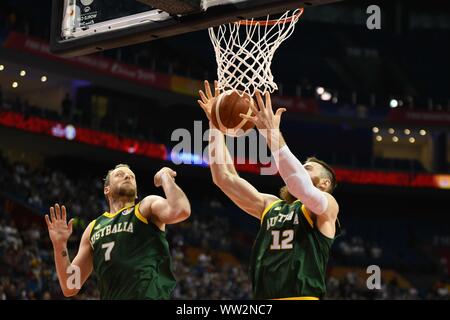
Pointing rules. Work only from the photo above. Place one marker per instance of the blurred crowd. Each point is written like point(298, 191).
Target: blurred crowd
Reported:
point(357, 247)
point(351, 287)
point(41, 187)
point(27, 268)
point(207, 278)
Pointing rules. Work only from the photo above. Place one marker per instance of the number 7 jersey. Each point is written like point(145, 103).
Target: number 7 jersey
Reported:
point(290, 255)
point(131, 257)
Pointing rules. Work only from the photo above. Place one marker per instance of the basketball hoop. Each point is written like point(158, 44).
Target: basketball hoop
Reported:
point(244, 55)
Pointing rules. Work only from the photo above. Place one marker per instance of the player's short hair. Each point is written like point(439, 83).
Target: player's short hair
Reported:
point(327, 172)
point(120, 165)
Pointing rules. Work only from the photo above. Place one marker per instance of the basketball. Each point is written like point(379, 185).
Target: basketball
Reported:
point(226, 110)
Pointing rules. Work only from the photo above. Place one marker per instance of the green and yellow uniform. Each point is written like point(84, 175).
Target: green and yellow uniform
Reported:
point(131, 257)
point(290, 254)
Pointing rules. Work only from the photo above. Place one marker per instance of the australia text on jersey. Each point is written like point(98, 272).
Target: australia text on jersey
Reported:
point(281, 218)
point(116, 228)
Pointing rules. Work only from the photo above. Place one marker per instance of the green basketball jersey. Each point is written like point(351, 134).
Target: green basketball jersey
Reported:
point(131, 257)
point(290, 254)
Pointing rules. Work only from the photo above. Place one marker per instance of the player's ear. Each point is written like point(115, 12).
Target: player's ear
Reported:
point(106, 190)
point(325, 184)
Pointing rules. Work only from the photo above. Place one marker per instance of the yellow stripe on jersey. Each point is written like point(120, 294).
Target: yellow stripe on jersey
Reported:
point(92, 227)
point(112, 215)
point(139, 215)
point(307, 216)
point(270, 206)
point(298, 298)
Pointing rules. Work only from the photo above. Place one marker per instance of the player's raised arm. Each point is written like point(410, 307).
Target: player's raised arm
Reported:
point(206, 104)
point(172, 209)
point(81, 267)
point(224, 174)
point(294, 174)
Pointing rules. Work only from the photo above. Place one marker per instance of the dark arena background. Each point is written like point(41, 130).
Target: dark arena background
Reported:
point(373, 103)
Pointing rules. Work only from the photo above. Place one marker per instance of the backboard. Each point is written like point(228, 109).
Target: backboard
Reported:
point(85, 26)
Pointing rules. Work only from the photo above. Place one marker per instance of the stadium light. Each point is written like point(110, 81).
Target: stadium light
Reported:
point(407, 131)
point(412, 140)
point(320, 90)
point(393, 103)
point(43, 78)
point(70, 132)
point(379, 138)
point(2, 67)
point(375, 130)
point(23, 73)
point(391, 130)
point(422, 132)
point(15, 84)
point(395, 138)
point(326, 96)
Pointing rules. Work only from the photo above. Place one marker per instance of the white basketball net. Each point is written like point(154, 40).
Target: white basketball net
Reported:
point(245, 49)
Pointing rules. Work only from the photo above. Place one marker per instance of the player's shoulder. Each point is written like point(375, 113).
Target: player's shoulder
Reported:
point(98, 220)
point(147, 202)
point(270, 199)
point(149, 199)
point(270, 202)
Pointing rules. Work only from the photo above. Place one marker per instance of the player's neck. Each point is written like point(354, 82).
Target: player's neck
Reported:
point(120, 203)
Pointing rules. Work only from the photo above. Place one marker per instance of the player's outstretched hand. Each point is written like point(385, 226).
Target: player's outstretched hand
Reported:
point(264, 118)
point(58, 228)
point(207, 98)
point(164, 171)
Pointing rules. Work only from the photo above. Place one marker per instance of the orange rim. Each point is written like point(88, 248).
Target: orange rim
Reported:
point(271, 22)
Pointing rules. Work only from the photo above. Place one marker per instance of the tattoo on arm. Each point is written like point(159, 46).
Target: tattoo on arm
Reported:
point(64, 253)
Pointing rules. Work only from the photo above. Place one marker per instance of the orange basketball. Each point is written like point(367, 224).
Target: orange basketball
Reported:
point(225, 113)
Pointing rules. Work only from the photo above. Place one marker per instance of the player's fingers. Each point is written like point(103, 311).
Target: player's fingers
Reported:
point(57, 212)
point(70, 225)
point(260, 101)
point(208, 90)
point(201, 104)
point(280, 111)
point(47, 220)
point(157, 181)
point(167, 169)
point(52, 214)
point(268, 102)
point(254, 108)
point(63, 213)
point(203, 96)
point(247, 117)
point(216, 88)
